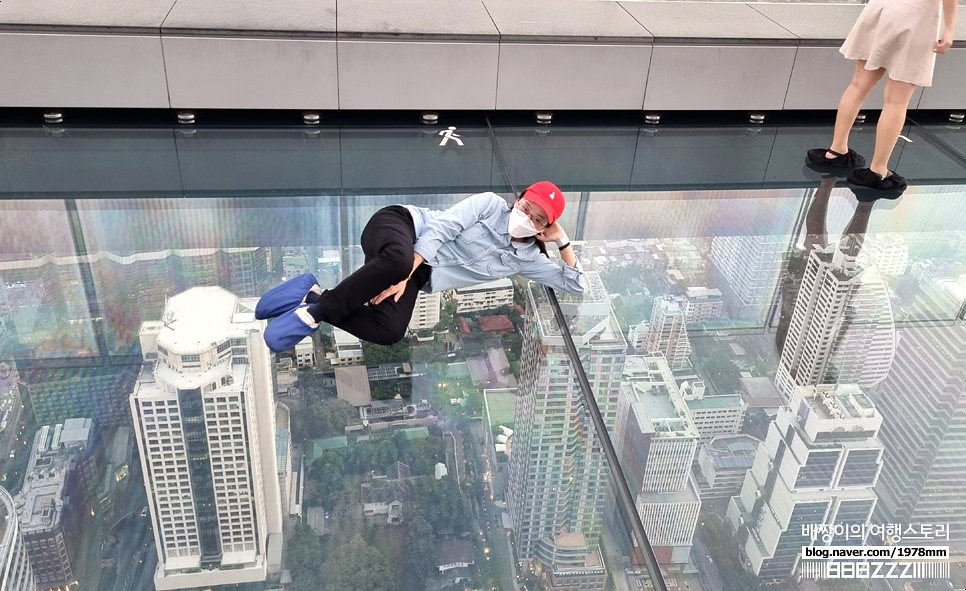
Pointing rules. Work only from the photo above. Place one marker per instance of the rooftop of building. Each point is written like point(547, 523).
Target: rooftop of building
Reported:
point(199, 318)
point(342, 338)
point(759, 387)
point(454, 551)
point(390, 371)
point(154, 368)
point(352, 384)
point(715, 402)
point(702, 293)
point(504, 283)
point(733, 451)
point(40, 502)
point(654, 396)
point(76, 431)
point(670, 306)
point(570, 540)
point(845, 401)
point(589, 316)
point(495, 323)
point(688, 495)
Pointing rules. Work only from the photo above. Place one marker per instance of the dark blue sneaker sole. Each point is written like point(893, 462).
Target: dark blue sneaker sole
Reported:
point(287, 330)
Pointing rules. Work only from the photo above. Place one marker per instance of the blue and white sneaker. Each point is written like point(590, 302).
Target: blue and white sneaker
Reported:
point(287, 330)
point(287, 296)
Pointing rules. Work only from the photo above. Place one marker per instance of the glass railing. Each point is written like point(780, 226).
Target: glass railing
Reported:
point(758, 352)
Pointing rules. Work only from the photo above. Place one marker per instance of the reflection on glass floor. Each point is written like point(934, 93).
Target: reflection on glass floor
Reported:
point(769, 354)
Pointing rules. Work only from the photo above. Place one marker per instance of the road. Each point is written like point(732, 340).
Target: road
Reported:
point(135, 551)
point(489, 518)
point(11, 436)
point(707, 571)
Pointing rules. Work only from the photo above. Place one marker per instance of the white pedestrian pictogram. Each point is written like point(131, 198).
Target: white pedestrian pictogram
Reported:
point(449, 135)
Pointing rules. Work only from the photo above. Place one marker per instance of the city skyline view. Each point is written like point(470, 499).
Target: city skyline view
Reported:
point(755, 376)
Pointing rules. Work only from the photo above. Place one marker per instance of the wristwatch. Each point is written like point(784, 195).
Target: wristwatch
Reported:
point(563, 242)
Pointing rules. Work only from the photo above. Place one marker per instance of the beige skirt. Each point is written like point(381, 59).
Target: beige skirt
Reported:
point(898, 35)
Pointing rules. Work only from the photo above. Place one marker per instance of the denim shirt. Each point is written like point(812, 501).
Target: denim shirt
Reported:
point(469, 244)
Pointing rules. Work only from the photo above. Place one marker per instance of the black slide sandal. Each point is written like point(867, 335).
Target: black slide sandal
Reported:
point(850, 159)
point(865, 177)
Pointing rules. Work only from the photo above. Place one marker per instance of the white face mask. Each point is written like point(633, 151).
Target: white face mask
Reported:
point(520, 225)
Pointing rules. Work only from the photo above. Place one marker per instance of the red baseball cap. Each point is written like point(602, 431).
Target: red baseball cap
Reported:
point(549, 197)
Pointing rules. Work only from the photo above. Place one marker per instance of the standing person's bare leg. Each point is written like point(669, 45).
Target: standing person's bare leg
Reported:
point(863, 81)
point(897, 95)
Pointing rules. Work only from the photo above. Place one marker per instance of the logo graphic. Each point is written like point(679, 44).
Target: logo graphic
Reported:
point(552, 194)
point(449, 135)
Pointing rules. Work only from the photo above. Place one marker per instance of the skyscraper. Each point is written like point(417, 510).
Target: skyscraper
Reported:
point(817, 466)
point(426, 312)
point(668, 333)
point(841, 329)
point(923, 405)
point(656, 441)
point(15, 571)
point(558, 476)
point(205, 424)
point(750, 265)
point(53, 395)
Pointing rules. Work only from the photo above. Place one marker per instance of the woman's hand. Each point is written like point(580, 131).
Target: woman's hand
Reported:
point(396, 292)
point(551, 233)
point(943, 45)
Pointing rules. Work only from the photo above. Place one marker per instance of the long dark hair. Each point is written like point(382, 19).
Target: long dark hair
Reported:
point(540, 244)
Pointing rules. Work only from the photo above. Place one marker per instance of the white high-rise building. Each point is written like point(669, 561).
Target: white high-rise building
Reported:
point(656, 441)
point(842, 329)
point(889, 253)
point(15, 571)
point(713, 415)
point(558, 476)
point(817, 466)
point(750, 264)
point(668, 333)
point(204, 413)
point(637, 336)
point(426, 312)
point(702, 304)
point(484, 296)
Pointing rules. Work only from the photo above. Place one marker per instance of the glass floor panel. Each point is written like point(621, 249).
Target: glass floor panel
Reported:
point(769, 353)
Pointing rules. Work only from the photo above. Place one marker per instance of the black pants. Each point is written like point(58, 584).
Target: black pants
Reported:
point(387, 242)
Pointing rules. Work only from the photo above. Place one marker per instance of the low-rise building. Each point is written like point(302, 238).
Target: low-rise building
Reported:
point(387, 495)
point(702, 304)
point(499, 324)
point(713, 415)
point(305, 352)
point(722, 463)
point(352, 385)
point(484, 296)
point(286, 376)
point(760, 393)
point(455, 560)
point(348, 349)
